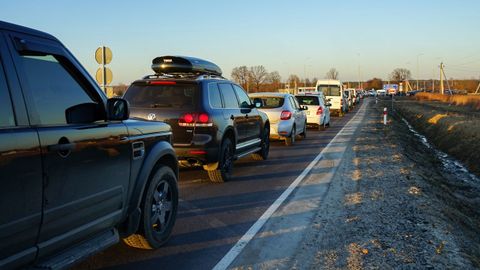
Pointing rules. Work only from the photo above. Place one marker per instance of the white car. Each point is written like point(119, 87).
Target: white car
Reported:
point(350, 98)
point(318, 113)
point(287, 117)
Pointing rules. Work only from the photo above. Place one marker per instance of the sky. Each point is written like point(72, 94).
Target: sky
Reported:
point(361, 39)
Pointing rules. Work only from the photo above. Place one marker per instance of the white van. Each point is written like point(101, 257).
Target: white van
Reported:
point(333, 91)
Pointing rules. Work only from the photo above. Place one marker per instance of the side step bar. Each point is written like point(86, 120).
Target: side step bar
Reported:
point(251, 151)
point(80, 252)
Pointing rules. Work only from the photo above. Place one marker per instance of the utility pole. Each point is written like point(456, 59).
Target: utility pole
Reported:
point(418, 68)
point(359, 76)
point(442, 90)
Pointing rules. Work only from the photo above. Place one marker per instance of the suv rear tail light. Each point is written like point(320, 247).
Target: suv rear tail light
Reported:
point(203, 118)
point(194, 120)
point(319, 111)
point(285, 115)
point(188, 118)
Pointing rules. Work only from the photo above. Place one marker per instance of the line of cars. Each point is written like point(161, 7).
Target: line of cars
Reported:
point(214, 121)
point(104, 170)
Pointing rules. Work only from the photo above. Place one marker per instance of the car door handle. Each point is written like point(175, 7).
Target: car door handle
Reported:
point(61, 147)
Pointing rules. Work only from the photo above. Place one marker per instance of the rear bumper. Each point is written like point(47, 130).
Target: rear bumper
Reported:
point(281, 129)
point(315, 120)
point(202, 150)
point(196, 156)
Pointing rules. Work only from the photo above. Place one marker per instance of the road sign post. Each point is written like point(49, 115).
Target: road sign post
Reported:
point(385, 116)
point(104, 76)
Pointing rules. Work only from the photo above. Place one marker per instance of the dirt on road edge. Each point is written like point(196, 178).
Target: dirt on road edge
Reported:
point(391, 206)
point(453, 129)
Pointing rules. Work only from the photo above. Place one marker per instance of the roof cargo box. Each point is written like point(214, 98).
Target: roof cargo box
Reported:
point(184, 64)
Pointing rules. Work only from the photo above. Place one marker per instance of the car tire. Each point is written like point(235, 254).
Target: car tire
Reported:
point(262, 154)
point(225, 165)
point(304, 133)
point(321, 127)
point(289, 141)
point(160, 202)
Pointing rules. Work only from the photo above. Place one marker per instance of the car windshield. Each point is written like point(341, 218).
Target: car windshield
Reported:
point(162, 96)
point(329, 90)
point(308, 100)
point(271, 102)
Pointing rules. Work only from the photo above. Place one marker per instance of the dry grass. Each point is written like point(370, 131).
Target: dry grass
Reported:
point(459, 100)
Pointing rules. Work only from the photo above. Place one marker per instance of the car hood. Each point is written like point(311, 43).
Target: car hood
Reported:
point(140, 127)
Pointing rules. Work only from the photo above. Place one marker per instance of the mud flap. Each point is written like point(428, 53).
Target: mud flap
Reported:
point(210, 166)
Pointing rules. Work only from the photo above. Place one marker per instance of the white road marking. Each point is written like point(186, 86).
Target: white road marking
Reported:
point(225, 262)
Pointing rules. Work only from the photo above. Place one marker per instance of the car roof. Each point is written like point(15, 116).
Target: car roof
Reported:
point(25, 30)
point(269, 94)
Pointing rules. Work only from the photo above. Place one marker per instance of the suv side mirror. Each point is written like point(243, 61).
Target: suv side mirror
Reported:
point(117, 109)
point(85, 113)
point(328, 104)
point(303, 107)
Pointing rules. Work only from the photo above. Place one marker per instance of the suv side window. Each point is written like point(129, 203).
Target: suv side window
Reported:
point(244, 99)
point(7, 118)
point(214, 96)
point(52, 89)
point(229, 97)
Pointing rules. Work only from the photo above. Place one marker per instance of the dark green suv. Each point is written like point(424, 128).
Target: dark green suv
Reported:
point(76, 176)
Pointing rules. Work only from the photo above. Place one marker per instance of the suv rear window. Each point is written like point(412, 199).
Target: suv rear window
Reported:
point(307, 100)
point(271, 102)
point(329, 90)
point(162, 96)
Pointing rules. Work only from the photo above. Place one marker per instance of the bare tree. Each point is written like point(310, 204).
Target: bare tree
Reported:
point(241, 75)
point(293, 81)
point(258, 75)
point(274, 79)
point(332, 74)
point(307, 82)
point(400, 75)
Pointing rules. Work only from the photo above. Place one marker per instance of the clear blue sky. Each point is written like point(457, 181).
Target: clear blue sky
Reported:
point(292, 37)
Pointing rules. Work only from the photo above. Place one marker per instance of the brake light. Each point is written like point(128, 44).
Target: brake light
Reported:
point(198, 152)
point(194, 120)
point(319, 111)
point(285, 115)
point(188, 118)
point(162, 82)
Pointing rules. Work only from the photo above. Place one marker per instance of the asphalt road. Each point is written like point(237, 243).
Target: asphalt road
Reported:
point(213, 217)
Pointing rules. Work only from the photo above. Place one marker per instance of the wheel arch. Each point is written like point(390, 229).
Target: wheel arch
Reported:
point(161, 153)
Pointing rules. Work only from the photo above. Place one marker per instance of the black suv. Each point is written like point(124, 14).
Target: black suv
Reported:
point(213, 120)
point(75, 174)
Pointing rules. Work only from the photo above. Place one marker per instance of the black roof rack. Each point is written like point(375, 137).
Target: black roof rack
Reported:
point(184, 65)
